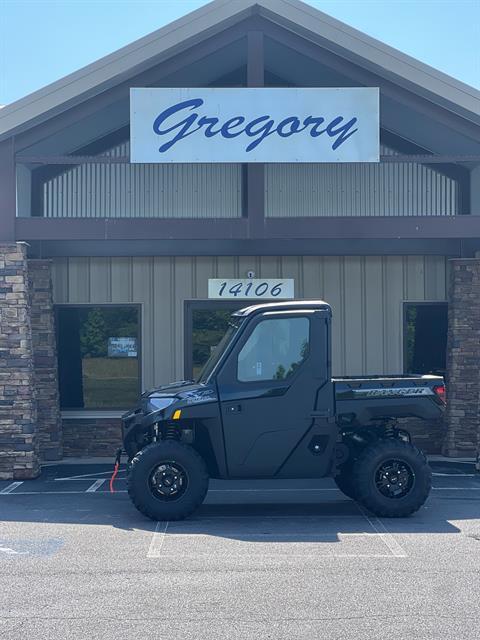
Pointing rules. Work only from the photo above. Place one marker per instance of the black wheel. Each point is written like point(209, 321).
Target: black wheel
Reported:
point(345, 481)
point(392, 478)
point(167, 480)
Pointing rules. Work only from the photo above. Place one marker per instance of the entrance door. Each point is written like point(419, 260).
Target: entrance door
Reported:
point(269, 388)
point(206, 322)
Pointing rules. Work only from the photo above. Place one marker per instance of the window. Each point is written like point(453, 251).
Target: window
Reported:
point(425, 337)
point(98, 356)
point(274, 350)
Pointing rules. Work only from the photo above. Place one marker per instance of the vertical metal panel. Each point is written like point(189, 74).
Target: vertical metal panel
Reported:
point(100, 280)
point(79, 279)
point(145, 191)
point(366, 294)
point(385, 189)
point(143, 292)
point(163, 346)
point(374, 329)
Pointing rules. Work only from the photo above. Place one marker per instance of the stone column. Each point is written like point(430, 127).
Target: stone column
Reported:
point(45, 360)
point(463, 359)
point(18, 419)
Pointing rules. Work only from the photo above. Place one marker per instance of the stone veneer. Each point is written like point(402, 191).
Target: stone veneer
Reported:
point(18, 417)
point(103, 436)
point(91, 436)
point(49, 422)
point(427, 435)
point(463, 359)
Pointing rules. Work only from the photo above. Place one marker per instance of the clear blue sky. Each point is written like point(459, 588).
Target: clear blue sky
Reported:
point(41, 41)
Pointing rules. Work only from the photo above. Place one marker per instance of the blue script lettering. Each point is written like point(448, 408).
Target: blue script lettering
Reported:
point(182, 120)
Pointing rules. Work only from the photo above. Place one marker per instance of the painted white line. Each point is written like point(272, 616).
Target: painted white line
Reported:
point(158, 536)
point(387, 538)
point(96, 485)
point(11, 487)
point(264, 536)
point(83, 479)
point(227, 555)
point(60, 493)
point(88, 475)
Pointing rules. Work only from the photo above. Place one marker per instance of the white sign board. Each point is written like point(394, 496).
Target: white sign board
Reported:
point(122, 347)
point(251, 288)
point(254, 125)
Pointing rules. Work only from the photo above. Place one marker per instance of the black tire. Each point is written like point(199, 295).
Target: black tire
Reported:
point(377, 488)
point(144, 491)
point(345, 481)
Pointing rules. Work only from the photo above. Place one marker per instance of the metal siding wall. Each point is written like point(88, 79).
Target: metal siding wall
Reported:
point(366, 294)
point(403, 189)
point(145, 191)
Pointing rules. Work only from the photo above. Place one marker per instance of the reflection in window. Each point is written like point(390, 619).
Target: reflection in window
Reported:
point(274, 350)
point(98, 357)
point(208, 328)
point(425, 337)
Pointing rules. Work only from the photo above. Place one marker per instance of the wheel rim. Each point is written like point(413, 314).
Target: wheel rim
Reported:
point(168, 481)
point(394, 478)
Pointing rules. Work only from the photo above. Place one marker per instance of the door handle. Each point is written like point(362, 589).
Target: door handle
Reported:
point(233, 408)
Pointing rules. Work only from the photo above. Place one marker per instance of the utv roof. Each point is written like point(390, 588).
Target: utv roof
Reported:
point(288, 305)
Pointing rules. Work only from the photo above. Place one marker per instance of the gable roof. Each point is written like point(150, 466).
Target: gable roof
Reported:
point(91, 80)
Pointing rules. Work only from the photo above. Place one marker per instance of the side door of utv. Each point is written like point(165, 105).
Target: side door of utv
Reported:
point(270, 387)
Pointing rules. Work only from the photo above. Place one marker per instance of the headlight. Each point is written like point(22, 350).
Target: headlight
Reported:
point(161, 403)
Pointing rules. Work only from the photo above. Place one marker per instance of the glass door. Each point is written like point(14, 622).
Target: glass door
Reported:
point(206, 322)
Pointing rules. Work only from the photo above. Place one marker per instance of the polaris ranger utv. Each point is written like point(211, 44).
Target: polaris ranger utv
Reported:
point(266, 406)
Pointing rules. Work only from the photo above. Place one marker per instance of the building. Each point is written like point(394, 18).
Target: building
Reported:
point(105, 264)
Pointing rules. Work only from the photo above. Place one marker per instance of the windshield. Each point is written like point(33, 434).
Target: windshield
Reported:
point(211, 363)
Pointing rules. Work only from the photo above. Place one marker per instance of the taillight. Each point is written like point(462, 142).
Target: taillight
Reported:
point(439, 391)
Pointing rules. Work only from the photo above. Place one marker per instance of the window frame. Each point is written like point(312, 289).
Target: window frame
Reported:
point(262, 317)
point(86, 305)
point(416, 303)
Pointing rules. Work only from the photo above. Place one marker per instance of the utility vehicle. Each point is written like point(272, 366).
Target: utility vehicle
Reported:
point(266, 406)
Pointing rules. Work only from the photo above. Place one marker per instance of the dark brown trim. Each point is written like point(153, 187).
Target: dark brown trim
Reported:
point(362, 227)
point(76, 160)
point(374, 227)
point(8, 191)
point(129, 228)
point(248, 247)
point(255, 59)
point(256, 200)
point(255, 173)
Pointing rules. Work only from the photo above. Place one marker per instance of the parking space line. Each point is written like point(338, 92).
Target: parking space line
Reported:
point(59, 493)
point(11, 487)
point(96, 485)
point(387, 538)
point(87, 476)
point(276, 556)
point(158, 536)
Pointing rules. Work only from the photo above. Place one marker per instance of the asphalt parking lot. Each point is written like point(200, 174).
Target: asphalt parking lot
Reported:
point(260, 560)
